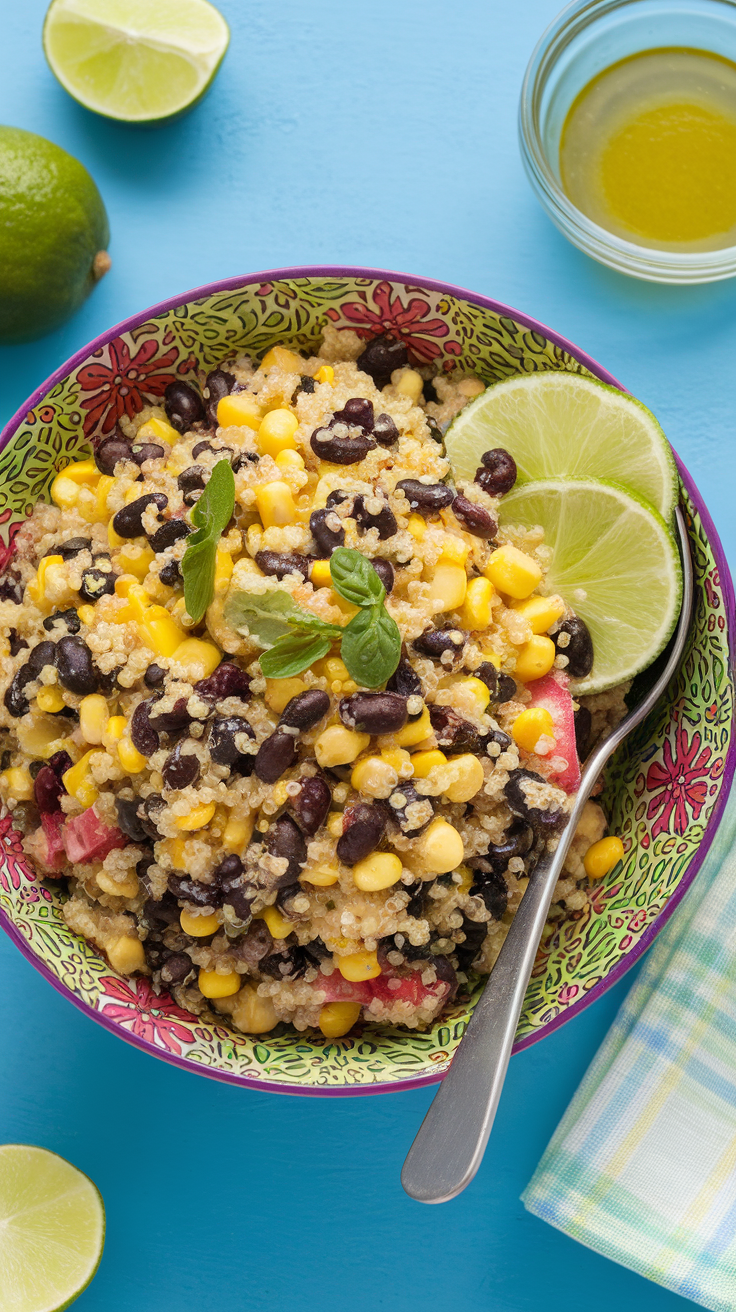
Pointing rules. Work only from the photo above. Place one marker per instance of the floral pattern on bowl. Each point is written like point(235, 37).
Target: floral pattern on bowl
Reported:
point(666, 786)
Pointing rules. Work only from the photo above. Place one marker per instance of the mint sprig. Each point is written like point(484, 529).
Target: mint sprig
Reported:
point(211, 515)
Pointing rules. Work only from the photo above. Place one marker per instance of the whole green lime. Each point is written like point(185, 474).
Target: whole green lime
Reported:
point(53, 235)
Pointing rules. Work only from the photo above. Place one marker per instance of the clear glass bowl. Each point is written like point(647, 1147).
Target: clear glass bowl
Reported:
point(586, 38)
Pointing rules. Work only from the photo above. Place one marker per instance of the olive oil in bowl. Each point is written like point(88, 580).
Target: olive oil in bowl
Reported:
point(648, 150)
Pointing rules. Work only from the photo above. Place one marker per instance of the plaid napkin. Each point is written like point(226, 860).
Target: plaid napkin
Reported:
point(642, 1167)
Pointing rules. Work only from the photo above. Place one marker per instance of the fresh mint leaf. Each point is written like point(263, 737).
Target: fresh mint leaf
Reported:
point(211, 515)
point(371, 646)
point(355, 579)
point(291, 655)
point(268, 616)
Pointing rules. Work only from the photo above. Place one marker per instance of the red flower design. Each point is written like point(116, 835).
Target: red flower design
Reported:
point(148, 1015)
point(678, 783)
point(125, 385)
point(409, 322)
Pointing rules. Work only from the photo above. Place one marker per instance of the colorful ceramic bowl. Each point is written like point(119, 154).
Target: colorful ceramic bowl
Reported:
point(666, 787)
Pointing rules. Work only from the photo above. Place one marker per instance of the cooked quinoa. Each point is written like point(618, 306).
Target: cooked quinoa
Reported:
point(301, 849)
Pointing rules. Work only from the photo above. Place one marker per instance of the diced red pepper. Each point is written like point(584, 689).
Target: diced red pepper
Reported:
point(337, 989)
point(411, 989)
point(51, 845)
point(551, 693)
point(86, 838)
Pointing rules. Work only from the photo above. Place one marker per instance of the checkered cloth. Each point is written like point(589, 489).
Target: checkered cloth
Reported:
point(642, 1167)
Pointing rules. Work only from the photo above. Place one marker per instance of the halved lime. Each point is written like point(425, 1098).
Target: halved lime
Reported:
point(559, 424)
point(615, 562)
point(52, 1230)
point(136, 60)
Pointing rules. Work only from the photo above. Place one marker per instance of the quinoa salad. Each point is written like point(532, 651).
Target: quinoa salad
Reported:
point(304, 774)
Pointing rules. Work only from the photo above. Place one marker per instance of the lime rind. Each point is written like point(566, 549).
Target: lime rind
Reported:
point(615, 562)
point(556, 423)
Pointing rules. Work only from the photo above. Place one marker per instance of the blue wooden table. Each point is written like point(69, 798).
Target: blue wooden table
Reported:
point(382, 134)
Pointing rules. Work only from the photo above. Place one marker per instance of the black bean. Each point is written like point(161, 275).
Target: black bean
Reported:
point(128, 821)
point(147, 812)
point(429, 392)
point(15, 642)
point(242, 459)
point(356, 412)
point(311, 805)
point(381, 357)
point(41, 656)
point(285, 839)
point(385, 571)
point(475, 933)
point(181, 769)
point(488, 674)
point(154, 676)
point(341, 450)
point(366, 826)
point(285, 962)
point(109, 452)
point(491, 887)
point(317, 951)
point(306, 384)
point(223, 747)
point(128, 523)
point(190, 483)
point(275, 754)
point(426, 497)
point(230, 879)
point(335, 498)
point(67, 619)
point(177, 968)
point(11, 589)
point(97, 583)
point(474, 518)
point(190, 890)
point(255, 944)
point(169, 533)
point(506, 688)
point(15, 699)
point(497, 473)
point(327, 539)
point(546, 820)
point(384, 520)
point(517, 841)
point(374, 712)
point(161, 911)
point(500, 738)
point(583, 726)
point(286, 899)
point(229, 868)
point(184, 406)
point(177, 720)
point(280, 563)
point(74, 666)
point(143, 736)
point(303, 711)
point(385, 431)
point(406, 681)
point(72, 547)
point(451, 730)
point(403, 797)
point(228, 680)
point(199, 447)
point(578, 646)
point(48, 789)
point(170, 574)
point(143, 451)
point(434, 642)
point(218, 383)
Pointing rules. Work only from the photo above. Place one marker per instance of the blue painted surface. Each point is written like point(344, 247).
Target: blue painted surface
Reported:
point(382, 134)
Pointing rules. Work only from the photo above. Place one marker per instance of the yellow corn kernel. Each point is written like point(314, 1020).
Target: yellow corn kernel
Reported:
point(86, 614)
point(17, 783)
point(223, 571)
point(337, 745)
point(279, 795)
point(197, 818)
point(477, 610)
point(347, 607)
point(82, 471)
point(494, 658)
point(334, 823)
point(49, 699)
point(275, 504)
point(135, 559)
point(454, 551)
point(321, 876)
point(199, 658)
point(415, 731)
point(447, 587)
point(114, 730)
point(333, 669)
point(238, 833)
point(160, 632)
point(280, 357)
point(276, 432)
point(440, 847)
point(198, 926)
point(214, 985)
point(416, 527)
point(103, 487)
point(130, 758)
point(540, 612)
point(377, 871)
point(279, 692)
point(535, 659)
point(176, 851)
point(471, 387)
point(38, 735)
point(241, 410)
point(530, 726)
point(252, 1013)
point(136, 596)
point(64, 491)
point(374, 776)
point(425, 762)
point(37, 585)
point(124, 583)
point(278, 926)
point(337, 1018)
point(400, 759)
point(157, 430)
point(602, 856)
point(79, 783)
point(114, 539)
point(325, 374)
point(126, 954)
point(289, 462)
point(93, 717)
point(127, 887)
point(410, 384)
point(319, 575)
point(359, 965)
point(462, 778)
point(513, 572)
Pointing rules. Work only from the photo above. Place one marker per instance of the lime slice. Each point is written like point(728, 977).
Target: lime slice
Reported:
point(559, 424)
point(52, 1229)
point(135, 60)
point(615, 562)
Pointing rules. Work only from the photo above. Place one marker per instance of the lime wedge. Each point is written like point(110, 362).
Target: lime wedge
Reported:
point(615, 562)
point(52, 1229)
point(559, 424)
point(136, 60)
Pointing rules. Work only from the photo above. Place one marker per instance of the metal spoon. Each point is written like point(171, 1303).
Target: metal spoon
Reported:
point(453, 1135)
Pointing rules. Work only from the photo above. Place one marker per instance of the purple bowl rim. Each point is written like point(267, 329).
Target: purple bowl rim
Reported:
point(603, 375)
